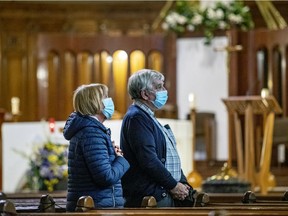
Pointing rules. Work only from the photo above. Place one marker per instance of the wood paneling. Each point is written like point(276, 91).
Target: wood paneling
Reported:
point(245, 79)
point(45, 88)
point(54, 61)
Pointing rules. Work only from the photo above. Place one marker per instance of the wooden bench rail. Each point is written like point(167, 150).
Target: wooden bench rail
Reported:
point(230, 210)
point(238, 197)
point(260, 207)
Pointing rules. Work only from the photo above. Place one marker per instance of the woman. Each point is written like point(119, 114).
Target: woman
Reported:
point(95, 164)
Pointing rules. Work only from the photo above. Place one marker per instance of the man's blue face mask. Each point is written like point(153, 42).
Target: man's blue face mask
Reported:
point(108, 107)
point(161, 99)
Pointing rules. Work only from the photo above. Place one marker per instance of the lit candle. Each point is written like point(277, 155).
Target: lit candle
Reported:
point(52, 125)
point(265, 92)
point(192, 101)
point(15, 104)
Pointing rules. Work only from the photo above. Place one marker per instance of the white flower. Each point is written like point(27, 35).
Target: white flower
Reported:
point(190, 28)
point(222, 24)
point(45, 172)
point(170, 19)
point(197, 19)
point(235, 18)
point(173, 19)
point(165, 26)
point(181, 19)
point(245, 9)
point(219, 14)
point(210, 16)
point(211, 13)
point(226, 3)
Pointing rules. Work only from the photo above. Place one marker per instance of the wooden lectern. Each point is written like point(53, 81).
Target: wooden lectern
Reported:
point(249, 106)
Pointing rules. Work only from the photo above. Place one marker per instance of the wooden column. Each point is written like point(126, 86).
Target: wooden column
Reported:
point(194, 178)
point(2, 113)
point(249, 146)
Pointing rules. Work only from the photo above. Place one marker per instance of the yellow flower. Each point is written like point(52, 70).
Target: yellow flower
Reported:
point(52, 158)
point(65, 173)
point(49, 146)
point(59, 149)
point(50, 184)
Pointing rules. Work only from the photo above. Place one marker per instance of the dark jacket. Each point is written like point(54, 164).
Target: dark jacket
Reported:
point(144, 146)
point(93, 167)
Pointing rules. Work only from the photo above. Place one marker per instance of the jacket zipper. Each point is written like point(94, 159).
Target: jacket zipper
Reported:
point(113, 197)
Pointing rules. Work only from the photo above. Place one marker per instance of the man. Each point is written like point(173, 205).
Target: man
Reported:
point(150, 148)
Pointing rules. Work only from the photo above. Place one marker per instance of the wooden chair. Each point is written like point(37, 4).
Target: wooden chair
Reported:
point(206, 133)
point(280, 134)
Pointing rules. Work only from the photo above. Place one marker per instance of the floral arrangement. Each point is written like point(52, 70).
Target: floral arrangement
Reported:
point(221, 16)
point(48, 166)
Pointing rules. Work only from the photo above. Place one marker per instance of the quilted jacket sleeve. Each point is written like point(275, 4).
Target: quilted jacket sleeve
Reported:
point(105, 167)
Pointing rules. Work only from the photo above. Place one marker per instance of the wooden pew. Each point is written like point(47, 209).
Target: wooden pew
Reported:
point(231, 207)
point(36, 202)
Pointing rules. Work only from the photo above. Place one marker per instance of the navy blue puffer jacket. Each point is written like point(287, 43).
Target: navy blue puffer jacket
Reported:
point(93, 167)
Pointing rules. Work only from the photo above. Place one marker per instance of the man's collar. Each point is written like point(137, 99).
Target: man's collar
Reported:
point(144, 107)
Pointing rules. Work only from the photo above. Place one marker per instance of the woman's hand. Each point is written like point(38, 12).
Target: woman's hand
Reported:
point(117, 149)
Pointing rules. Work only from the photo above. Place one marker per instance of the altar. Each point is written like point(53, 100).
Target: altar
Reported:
point(19, 139)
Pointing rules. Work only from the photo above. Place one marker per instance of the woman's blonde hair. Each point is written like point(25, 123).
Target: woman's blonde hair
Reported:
point(87, 99)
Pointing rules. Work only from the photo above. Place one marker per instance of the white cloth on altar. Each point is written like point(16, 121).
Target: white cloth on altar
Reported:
point(21, 137)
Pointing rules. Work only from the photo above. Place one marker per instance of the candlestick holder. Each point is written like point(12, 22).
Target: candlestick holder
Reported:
point(15, 116)
point(194, 178)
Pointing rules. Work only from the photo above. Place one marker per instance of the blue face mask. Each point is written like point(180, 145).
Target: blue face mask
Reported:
point(108, 107)
point(161, 99)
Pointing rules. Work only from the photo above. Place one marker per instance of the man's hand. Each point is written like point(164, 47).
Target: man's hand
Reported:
point(180, 191)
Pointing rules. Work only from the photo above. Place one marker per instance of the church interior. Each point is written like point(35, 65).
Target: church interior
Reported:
point(227, 106)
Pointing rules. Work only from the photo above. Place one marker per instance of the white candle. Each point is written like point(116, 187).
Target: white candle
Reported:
point(192, 101)
point(265, 92)
point(15, 104)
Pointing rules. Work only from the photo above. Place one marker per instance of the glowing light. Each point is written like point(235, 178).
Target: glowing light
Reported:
point(122, 55)
point(109, 59)
point(52, 125)
point(192, 101)
point(15, 104)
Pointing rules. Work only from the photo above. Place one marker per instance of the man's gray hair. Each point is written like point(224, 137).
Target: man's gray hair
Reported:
point(142, 80)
